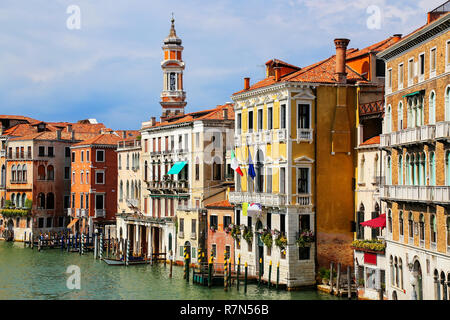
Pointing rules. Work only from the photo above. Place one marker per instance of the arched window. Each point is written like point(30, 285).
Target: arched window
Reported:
point(447, 103)
point(41, 200)
point(391, 269)
point(145, 171)
point(400, 223)
point(408, 169)
point(13, 199)
point(433, 228)
point(50, 201)
point(400, 267)
point(388, 171)
point(128, 190)
point(3, 180)
point(389, 221)
point(396, 272)
point(18, 200)
point(400, 116)
point(388, 119)
point(432, 108)
point(50, 173)
point(436, 285)
point(410, 225)
point(19, 173)
point(41, 172)
point(432, 170)
point(448, 234)
point(121, 190)
point(421, 227)
point(447, 168)
point(400, 170)
point(24, 173)
point(24, 200)
point(13, 173)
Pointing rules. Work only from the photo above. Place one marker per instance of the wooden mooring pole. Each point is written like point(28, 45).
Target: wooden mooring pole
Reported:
point(260, 271)
point(349, 284)
point(225, 274)
point(210, 270)
point(238, 271)
point(270, 273)
point(170, 260)
point(331, 277)
point(245, 277)
point(278, 273)
point(187, 267)
point(338, 279)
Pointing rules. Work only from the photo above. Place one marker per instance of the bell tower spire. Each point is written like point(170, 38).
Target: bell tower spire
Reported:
point(172, 96)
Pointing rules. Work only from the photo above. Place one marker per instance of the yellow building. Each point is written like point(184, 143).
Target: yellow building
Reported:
point(299, 126)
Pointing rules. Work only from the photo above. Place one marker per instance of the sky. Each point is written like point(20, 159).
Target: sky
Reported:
point(110, 67)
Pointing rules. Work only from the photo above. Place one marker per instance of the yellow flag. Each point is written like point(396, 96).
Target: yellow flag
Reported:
point(244, 208)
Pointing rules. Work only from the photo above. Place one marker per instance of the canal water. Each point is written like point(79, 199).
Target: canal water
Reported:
point(29, 274)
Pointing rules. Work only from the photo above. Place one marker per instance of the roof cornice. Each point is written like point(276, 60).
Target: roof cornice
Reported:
point(417, 38)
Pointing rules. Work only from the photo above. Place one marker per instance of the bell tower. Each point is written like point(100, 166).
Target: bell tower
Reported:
point(172, 96)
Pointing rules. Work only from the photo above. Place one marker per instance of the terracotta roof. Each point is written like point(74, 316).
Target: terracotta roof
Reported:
point(221, 204)
point(14, 117)
point(52, 135)
point(210, 114)
point(375, 48)
point(320, 72)
point(130, 134)
point(373, 140)
point(101, 139)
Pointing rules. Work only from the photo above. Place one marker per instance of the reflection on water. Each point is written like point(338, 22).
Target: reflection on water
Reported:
point(29, 274)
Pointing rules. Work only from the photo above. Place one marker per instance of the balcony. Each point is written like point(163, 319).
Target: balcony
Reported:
point(18, 155)
point(237, 140)
point(100, 213)
point(438, 194)
point(304, 135)
point(267, 136)
point(304, 200)
point(443, 130)
point(258, 137)
point(193, 236)
point(409, 136)
point(181, 235)
point(265, 199)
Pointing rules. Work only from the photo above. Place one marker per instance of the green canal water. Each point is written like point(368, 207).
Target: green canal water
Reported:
point(29, 274)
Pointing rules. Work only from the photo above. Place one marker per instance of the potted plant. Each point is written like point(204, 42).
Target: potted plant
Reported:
point(267, 239)
point(248, 235)
point(228, 228)
point(305, 238)
point(235, 232)
point(213, 228)
point(324, 275)
point(361, 283)
point(281, 242)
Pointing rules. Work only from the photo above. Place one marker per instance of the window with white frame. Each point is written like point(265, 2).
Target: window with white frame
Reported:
point(400, 76)
point(410, 71)
point(400, 116)
point(238, 122)
point(100, 155)
point(432, 108)
point(447, 56)
point(433, 62)
point(389, 79)
point(283, 116)
point(259, 119)
point(270, 118)
point(421, 66)
point(100, 176)
point(303, 180)
point(282, 180)
point(269, 180)
point(304, 116)
point(99, 201)
point(250, 121)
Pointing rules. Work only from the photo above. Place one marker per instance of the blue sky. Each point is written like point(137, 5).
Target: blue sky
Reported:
point(110, 69)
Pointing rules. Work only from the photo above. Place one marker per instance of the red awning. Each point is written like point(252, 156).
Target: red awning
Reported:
point(379, 222)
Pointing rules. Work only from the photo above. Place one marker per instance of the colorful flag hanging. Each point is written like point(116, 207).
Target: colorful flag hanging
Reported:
point(244, 208)
point(251, 168)
point(235, 164)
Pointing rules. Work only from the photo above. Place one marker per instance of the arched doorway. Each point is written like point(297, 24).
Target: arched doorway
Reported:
point(9, 230)
point(260, 245)
point(417, 273)
point(187, 247)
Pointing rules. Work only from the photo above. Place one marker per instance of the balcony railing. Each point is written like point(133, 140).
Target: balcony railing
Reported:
point(237, 140)
point(440, 194)
point(265, 199)
point(304, 135)
point(267, 136)
point(100, 213)
point(83, 213)
point(19, 155)
point(443, 130)
point(304, 200)
point(409, 136)
point(129, 144)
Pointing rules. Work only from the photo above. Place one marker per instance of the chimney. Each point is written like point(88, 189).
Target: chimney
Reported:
point(73, 135)
point(277, 74)
point(341, 55)
point(246, 83)
point(152, 121)
point(69, 128)
point(124, 134)
point(58, 134)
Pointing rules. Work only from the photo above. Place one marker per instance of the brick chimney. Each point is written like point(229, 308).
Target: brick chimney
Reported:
point(341, 55)
point(58, 134)
point(69, 128)
point(152, 121)
point(73, 135)
point(246, 83)
point(124, 134)
point(277, 74)
point(225, 113)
